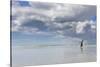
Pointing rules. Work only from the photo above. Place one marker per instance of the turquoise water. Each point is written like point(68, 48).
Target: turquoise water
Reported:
point(43, 55)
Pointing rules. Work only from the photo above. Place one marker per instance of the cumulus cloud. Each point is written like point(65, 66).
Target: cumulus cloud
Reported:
point(85, 26)
point(60, 19)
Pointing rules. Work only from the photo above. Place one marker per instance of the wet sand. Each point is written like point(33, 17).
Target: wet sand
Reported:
point(44, 55)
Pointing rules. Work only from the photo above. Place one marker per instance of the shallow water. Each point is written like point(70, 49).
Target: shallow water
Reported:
point(42, 55)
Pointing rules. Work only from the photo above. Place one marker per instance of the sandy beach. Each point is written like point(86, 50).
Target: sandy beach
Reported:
point(44, 55)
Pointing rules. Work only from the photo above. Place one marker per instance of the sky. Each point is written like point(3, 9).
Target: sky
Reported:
point(52, 23)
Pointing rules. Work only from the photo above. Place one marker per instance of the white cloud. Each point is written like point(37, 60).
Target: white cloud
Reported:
point(80, 27)
point(61, 19)
point(51, 11)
